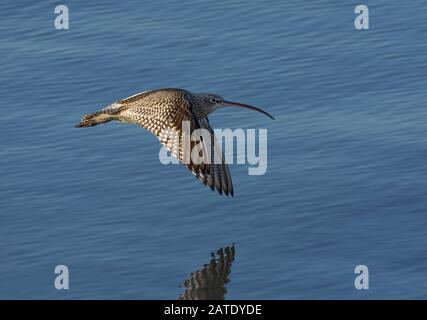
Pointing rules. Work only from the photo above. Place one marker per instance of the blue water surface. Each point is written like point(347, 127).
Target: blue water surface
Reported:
point(347, 173)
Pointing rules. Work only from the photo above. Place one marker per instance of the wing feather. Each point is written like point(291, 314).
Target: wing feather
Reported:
point(162, 112)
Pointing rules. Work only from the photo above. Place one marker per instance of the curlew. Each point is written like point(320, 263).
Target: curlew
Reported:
point(162, 112)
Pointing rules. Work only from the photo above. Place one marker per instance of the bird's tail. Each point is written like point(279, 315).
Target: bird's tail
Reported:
point(102, 116)
point(93, 119)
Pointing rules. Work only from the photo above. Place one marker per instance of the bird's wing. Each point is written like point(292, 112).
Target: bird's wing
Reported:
point(162, 113)
point(214, 171)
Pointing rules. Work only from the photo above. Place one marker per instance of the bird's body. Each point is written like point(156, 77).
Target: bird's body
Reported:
point(162, 112)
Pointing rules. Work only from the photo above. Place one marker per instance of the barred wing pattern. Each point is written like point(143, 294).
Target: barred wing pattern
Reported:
point(162, 113)
point(216, 174)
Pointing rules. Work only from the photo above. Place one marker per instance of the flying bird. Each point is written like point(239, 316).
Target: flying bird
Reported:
point(162, 112)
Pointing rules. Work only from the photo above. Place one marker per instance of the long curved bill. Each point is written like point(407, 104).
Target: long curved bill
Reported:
point(242, 105)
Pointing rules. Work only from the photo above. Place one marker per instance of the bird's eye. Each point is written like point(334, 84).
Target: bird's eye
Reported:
point(213, 100)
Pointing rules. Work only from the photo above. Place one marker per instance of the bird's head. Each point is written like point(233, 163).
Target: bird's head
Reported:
point(212, 102)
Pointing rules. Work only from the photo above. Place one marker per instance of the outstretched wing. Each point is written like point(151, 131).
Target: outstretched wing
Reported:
point(162, 112)
point(214, 171)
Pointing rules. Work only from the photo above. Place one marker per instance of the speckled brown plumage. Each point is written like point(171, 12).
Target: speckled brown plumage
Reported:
point(162, 112)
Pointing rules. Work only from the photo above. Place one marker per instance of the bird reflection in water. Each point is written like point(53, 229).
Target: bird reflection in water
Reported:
point(208, 283)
